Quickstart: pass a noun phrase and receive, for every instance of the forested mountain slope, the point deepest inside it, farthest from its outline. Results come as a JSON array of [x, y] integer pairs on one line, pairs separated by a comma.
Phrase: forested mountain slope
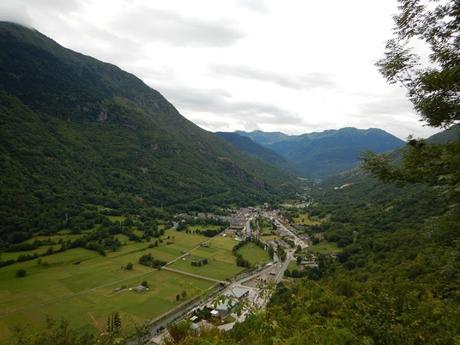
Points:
[[247, 145], [451, 134], [76, 131], [326, 153]]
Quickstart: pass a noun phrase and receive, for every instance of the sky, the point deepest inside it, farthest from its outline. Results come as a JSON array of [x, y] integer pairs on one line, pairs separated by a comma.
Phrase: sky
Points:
[[293, 66]]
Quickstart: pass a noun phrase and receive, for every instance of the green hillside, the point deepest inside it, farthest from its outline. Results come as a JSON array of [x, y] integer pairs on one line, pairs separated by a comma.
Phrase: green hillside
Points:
[[247, 145], [78, 134]]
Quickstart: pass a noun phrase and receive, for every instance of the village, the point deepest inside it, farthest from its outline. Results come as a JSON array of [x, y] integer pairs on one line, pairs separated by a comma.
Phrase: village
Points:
[[234, 299]]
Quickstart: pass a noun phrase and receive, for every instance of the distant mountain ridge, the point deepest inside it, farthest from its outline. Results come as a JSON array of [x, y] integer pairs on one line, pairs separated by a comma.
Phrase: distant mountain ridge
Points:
[[322, 154]]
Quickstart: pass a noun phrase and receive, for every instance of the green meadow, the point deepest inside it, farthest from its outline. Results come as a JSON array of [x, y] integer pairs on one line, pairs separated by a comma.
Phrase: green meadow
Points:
[[221, 261], [80, 285], [254, 254], [325, 247]]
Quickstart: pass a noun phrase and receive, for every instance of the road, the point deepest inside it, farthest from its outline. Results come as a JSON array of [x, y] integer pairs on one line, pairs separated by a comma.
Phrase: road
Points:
[[248, 230], [298, 241]]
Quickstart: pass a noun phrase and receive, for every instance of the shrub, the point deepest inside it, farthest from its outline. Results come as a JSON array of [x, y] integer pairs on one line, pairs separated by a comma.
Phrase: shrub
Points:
[[21, 273]]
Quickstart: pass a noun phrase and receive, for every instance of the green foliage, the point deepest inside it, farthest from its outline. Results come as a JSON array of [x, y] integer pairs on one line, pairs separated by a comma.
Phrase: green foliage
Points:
[[257, 255], [433, 88], [433, 164], [149, 260], [21, 273], [247, 145], [57, 332]]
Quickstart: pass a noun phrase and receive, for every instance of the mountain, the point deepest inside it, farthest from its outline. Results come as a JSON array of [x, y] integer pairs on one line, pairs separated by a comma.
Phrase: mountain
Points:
[[322, 154], [78, 135], [450, 134], [247, 145], [264, 138]]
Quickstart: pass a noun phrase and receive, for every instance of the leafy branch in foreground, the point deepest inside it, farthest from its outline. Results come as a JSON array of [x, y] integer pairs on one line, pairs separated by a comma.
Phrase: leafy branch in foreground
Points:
[[432, 164], [433, 87]]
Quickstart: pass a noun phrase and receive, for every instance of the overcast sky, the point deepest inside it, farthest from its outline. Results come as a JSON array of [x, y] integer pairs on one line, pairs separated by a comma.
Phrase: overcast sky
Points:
[[294, 66]]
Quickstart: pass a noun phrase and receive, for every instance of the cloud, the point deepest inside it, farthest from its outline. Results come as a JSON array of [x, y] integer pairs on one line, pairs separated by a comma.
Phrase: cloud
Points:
[[176, 29], [386, 105], [220, 105], [298, 82], [21, 11], [254, 5]]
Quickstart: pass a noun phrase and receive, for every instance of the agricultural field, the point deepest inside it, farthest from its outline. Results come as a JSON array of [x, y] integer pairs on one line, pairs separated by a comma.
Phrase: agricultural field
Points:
[[254, 254], [14, 255], [198, 228], [81, 285], [221, 261]]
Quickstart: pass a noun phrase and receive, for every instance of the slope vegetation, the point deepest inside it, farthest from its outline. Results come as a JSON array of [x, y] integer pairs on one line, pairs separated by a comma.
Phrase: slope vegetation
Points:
[[76, 131], [247, 145]]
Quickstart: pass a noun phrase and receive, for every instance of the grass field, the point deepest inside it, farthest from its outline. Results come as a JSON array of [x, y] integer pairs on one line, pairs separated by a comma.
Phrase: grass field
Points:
[[254, 254], [221, 262], [325, 247], [265, 227], [79, 284], [14, 255], [199, 228], [293, 266], [116, 218], [54, 238]]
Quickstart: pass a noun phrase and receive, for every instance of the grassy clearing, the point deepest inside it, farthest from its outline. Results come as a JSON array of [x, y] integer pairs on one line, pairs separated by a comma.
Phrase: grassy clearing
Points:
[[55, 238], [199, 228], [116, 218], [293, 266], [254, 254], [325, 247], [270, 237], [221, 261], [265, 227], [79, 284], [14, 255]]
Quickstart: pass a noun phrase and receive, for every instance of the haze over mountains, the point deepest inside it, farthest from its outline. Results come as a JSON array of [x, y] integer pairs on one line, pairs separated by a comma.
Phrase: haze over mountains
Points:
[[321, 154]]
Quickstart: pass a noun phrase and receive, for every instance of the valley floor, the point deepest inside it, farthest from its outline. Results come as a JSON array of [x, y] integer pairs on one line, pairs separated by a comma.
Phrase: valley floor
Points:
[[84, 287]]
